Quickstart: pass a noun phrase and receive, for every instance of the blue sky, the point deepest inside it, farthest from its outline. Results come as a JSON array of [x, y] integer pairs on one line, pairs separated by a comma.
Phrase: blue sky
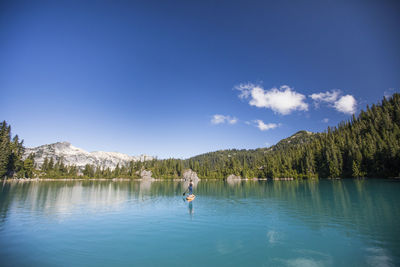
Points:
[[180, 78]]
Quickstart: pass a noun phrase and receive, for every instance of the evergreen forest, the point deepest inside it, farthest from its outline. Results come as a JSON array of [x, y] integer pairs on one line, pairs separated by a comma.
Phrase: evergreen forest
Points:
[[367, 145]]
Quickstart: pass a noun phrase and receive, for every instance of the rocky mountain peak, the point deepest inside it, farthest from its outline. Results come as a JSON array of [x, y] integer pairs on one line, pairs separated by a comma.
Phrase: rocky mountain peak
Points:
[[71, 155]]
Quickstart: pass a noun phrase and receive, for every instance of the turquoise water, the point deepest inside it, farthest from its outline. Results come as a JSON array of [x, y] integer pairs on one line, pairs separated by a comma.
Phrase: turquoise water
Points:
[[259, 223]]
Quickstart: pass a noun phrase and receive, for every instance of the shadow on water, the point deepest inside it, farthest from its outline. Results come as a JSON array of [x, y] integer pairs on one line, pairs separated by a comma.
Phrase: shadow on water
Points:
[[190, 208]]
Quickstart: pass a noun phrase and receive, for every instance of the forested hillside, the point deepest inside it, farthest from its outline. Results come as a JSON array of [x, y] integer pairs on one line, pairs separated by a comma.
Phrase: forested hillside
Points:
[[365, 146]]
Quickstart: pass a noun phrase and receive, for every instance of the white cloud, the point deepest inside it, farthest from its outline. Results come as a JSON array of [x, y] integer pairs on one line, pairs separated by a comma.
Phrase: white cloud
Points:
[[388, 94], [378, 257], [232, 120], [305, 262], [218, 119], [265, 126], [272, 236], [346, 104], [283, 100], [326, 120], [245, 89], [329, 97]]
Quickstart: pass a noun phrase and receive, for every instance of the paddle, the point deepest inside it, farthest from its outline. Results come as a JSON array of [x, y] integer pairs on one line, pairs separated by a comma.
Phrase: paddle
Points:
[[185, 192]]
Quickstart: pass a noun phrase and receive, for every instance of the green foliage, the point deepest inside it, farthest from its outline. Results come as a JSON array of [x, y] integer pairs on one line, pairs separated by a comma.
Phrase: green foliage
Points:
[[28, 166], [5, 148], [11, 152]]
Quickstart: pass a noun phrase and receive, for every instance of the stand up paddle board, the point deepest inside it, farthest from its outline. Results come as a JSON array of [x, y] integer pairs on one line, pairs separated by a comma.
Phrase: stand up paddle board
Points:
[[190, 197]]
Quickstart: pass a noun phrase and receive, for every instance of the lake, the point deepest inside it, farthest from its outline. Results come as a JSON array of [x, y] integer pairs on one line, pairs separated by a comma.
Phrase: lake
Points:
[[258, 223]]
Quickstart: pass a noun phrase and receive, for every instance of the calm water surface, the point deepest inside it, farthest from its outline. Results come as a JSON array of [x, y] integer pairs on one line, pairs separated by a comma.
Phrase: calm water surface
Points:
[[259, 223]]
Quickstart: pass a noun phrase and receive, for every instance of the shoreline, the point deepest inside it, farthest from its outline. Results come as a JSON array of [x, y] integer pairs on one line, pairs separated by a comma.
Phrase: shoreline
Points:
[[179, 179], [141, 179]]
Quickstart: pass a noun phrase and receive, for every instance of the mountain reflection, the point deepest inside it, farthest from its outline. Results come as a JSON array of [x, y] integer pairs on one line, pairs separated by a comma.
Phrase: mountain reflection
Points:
[[63, 197]]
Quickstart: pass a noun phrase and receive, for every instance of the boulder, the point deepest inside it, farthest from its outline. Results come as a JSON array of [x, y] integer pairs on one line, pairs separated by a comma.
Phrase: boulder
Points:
[[190, 175], [233, 179], [146, 175]]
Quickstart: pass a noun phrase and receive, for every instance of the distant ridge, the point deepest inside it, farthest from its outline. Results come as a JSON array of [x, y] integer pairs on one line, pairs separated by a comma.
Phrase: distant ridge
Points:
[[297, 139], [72, 155]]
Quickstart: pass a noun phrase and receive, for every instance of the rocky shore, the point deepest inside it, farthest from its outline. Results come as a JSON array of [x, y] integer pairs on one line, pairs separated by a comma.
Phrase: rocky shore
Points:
[[146, 175]]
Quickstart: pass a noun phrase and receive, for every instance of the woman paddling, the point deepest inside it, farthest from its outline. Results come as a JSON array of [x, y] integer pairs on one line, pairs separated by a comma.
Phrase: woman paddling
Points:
[[190, 187]]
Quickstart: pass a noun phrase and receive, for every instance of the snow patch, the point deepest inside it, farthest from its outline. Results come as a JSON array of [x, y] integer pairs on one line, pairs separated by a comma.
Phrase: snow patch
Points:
[[72, 155]]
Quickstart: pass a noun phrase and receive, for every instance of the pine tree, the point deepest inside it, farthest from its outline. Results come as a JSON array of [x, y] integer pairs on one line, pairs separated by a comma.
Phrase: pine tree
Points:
[[28, 167], [5, 149]]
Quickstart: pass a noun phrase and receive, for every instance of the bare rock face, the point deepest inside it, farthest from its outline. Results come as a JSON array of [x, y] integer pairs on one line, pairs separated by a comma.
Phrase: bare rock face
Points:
[[75, 156], [190, 175], [146, 175]]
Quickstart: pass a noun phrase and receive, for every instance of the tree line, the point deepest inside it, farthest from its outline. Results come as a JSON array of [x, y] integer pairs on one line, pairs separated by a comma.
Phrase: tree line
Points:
[[11, 151], [364, 146]]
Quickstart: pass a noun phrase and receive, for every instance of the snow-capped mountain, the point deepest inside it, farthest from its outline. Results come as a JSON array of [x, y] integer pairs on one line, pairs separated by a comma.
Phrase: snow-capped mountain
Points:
[[76, 156]]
